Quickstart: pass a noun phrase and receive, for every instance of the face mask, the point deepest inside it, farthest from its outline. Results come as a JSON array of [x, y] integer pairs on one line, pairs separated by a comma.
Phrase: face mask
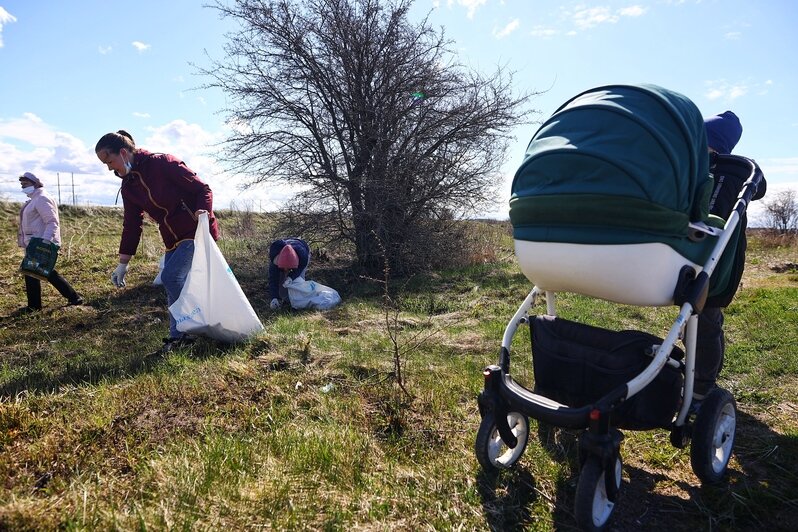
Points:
[[29, 190]]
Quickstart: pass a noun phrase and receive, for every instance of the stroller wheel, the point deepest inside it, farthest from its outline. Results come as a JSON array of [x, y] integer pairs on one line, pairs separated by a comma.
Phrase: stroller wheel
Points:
[[492, 453], [595, 500], [713, 436]]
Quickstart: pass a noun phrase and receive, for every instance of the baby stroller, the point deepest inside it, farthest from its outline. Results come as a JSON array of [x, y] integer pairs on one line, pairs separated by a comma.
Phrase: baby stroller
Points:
[[612, 202]]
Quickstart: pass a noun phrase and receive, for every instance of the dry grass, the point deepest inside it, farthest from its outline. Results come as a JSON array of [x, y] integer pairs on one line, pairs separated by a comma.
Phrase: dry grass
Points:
[[303, 427]]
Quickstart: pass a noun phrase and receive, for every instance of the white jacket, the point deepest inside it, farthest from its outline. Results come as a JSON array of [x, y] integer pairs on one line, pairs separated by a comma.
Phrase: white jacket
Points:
[[39, 218]]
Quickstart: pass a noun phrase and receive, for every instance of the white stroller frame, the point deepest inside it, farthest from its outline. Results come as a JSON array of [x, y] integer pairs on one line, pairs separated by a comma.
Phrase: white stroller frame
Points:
[[505, 405]]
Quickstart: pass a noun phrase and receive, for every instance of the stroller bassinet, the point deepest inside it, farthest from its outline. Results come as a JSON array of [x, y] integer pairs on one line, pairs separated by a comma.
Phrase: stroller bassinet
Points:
[[616, 179], [612, 201]]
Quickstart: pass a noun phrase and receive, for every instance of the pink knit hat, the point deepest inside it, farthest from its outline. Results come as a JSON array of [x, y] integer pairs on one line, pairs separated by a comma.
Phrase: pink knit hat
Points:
[[287, 259]]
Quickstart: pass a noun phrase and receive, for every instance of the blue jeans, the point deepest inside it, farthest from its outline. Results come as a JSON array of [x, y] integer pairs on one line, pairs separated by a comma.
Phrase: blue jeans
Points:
[[177, 264]]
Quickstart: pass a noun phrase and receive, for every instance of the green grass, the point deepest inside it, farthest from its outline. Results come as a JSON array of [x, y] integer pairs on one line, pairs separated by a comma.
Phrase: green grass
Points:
[[303, 427]]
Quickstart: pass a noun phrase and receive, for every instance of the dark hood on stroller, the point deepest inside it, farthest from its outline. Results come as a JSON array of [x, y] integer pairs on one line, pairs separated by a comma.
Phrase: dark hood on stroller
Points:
[[615, 164]]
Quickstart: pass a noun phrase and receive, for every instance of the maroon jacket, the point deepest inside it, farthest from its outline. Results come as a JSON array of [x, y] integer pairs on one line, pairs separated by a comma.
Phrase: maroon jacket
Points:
[[162, 186]]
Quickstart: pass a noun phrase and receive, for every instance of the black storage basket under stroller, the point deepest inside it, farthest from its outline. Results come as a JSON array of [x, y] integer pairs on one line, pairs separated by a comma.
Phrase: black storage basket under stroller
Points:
[[577, 364]]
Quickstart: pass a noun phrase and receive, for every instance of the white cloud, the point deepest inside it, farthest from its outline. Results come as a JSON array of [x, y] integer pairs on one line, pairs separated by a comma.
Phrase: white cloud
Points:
[[586, 18], [737, 91], [507, 30], [781, 174], [33, 143], [196, 147], [104, 50], [632, 11], [29, 144], [780, 166], [757, 216], [470, 5], [141, 115], [733, 35], [714, 94], [140, 46], [5, 18], [725, 91], [542, 31]]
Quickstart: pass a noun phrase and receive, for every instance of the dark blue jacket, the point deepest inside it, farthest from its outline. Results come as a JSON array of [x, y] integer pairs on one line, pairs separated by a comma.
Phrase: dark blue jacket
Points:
[[276, 277]]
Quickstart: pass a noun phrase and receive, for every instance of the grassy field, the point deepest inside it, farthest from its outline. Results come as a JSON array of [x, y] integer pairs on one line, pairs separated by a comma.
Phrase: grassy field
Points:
[[305, 428]]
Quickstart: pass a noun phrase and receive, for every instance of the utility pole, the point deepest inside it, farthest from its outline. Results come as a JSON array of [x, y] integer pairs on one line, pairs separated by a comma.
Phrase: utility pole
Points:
[[74, 204], [58, 176]]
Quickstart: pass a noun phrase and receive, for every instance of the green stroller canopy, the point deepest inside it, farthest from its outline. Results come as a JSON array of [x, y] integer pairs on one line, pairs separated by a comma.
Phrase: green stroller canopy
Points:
[[618, 164]]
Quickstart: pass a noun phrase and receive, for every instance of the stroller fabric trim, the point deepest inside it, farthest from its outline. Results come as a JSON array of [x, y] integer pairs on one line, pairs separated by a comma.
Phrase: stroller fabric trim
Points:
[[639, 143], [596, 210]]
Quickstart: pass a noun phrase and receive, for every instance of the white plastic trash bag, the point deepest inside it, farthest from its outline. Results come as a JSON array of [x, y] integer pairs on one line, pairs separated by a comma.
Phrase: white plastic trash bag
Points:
[[310, 294], [212, 302]]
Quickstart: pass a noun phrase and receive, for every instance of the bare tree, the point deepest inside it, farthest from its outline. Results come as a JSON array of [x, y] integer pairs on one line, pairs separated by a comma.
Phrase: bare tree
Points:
[[781, 211], [385, 135]]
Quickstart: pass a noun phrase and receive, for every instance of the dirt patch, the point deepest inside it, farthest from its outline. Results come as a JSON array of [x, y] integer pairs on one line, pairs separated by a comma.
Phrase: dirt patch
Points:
[[785, 267]]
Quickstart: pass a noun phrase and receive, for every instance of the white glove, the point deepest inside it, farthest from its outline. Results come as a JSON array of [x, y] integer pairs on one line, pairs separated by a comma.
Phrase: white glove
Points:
[[275, 304], [118, 277]]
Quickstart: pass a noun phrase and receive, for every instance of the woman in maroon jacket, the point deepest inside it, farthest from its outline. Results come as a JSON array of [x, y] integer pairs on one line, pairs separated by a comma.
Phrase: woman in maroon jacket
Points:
[[164, 188]]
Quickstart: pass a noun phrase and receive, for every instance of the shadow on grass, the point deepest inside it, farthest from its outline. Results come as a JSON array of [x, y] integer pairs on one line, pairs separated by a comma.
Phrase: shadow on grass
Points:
[[758, 493], [506, 498], [109, 338], [115, 335], [767, 484]]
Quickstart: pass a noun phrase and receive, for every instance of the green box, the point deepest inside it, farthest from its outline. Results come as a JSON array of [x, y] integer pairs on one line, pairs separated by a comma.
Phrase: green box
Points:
[[40, 257]]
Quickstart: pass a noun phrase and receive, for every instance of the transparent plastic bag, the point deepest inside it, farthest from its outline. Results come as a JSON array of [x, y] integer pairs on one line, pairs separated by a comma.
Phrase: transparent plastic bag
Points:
[[310, 294]]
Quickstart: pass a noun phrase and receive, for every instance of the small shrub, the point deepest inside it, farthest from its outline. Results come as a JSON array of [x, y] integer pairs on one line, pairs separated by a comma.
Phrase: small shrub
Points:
[[772, 239]]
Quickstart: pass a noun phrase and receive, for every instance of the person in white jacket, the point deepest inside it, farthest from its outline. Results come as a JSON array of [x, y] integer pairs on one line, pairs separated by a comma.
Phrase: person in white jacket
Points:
[[39, 218]]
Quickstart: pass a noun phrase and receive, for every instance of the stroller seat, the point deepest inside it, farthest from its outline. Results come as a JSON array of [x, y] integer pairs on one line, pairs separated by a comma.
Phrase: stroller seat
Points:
[[633, 274]]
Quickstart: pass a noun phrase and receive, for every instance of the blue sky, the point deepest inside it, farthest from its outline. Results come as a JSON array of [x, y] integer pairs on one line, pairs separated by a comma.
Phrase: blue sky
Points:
[[72, 71]]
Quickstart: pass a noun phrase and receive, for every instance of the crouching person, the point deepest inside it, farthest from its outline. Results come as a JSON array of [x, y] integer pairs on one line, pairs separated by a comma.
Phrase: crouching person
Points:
[[288, 257]]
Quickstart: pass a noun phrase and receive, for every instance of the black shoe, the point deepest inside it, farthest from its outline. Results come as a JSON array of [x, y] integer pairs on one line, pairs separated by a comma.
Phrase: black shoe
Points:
[[171, 344], [75, 302], [698, 398], [701, 390], [695, 406]]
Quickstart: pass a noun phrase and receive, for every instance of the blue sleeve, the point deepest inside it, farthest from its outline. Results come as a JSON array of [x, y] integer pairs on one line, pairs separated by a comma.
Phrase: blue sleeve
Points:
[[274, 271], [303, 252]]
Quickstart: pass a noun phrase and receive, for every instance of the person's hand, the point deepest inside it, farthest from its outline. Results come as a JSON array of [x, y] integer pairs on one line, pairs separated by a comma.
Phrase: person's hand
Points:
[[118, 277], [275, 304]]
